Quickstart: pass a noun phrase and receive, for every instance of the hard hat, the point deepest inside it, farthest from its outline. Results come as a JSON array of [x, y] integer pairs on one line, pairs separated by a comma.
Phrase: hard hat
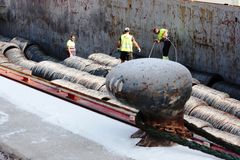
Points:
[[127, 29], [155, 29]]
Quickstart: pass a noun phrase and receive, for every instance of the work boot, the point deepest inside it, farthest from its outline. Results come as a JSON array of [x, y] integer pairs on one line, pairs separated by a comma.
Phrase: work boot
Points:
[[165, 58]]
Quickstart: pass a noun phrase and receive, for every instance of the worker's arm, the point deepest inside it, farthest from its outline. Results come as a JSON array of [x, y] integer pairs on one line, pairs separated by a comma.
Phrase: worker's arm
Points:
[[165, 34], [69, 48], [69, 52], [119, 43], [136, 44]]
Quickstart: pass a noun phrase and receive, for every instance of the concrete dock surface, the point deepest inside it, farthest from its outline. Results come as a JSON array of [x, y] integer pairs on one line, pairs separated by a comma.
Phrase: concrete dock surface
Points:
[[25, 136]]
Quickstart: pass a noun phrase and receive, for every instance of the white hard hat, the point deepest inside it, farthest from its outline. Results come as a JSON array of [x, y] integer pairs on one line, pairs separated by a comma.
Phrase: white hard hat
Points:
[[127, 29]]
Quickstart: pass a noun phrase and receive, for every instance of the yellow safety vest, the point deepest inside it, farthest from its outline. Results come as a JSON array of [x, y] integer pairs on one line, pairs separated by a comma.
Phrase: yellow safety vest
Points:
[[126, 43], [160, 34]]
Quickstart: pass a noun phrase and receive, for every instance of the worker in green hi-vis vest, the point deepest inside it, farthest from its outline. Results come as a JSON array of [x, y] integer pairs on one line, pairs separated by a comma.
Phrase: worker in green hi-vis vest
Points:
[[125, 45], [162, 36]]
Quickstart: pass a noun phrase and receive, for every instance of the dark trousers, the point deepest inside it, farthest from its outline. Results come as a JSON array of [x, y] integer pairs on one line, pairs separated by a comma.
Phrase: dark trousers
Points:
[[126, 56], [68, 55], [166, 47]]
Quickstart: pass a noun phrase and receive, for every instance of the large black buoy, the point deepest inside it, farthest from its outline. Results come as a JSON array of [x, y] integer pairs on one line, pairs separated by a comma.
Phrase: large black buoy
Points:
[[157, 88]]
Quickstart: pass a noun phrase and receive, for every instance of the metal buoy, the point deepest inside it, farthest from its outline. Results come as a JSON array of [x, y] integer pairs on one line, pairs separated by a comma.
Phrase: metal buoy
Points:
[[154, 86], [157, 88]]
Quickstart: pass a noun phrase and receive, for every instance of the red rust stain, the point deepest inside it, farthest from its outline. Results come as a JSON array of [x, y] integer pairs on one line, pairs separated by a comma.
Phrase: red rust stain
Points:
[[202, 15], [210, 15], [61, 2], [182, 13], [130, 3], [228, 22], [202, 12]]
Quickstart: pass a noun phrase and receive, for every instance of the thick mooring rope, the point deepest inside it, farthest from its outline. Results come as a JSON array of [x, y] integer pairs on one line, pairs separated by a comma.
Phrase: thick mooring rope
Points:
[[182, 141], [15, 56], [205, 78], [51, 71], [3, 59], [86, 65], [205, 129], [82, 89], [219, 119], [104, 59], [217, 99], [35, 53], [32, 51], [232, 89]]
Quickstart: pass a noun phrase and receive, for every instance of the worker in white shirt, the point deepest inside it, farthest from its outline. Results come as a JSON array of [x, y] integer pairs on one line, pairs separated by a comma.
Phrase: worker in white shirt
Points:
[[71, 49]]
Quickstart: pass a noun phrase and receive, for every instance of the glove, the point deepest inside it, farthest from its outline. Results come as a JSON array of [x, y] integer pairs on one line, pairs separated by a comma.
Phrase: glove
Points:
[[139, 49]]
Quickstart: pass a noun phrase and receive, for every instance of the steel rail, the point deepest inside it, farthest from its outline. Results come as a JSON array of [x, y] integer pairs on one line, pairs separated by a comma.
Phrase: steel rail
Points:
[[121, 113]]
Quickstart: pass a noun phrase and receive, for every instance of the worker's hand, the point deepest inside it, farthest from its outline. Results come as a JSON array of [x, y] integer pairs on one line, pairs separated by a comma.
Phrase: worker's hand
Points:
[[156, 41], [165, 34], [139, 49]]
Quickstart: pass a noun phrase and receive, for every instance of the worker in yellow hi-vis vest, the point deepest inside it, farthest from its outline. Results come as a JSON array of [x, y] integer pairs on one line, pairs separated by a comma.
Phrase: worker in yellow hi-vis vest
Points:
[[162, 36], [125, 45], [71, 49]]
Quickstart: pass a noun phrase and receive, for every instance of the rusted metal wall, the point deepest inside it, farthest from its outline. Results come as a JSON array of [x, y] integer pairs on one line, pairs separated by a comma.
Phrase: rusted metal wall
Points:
[[207, 36]]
